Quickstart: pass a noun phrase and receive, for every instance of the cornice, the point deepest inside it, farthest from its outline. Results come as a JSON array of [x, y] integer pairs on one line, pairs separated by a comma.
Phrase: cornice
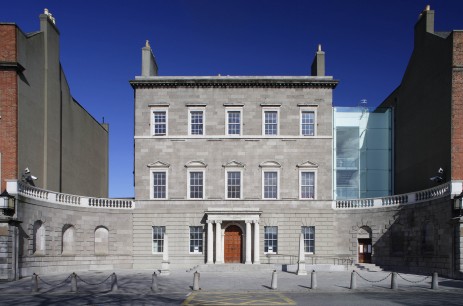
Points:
[[11, 66], [234, 82]]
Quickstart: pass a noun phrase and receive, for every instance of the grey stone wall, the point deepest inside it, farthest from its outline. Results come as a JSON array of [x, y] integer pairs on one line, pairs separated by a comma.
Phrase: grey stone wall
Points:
[[56, 218]]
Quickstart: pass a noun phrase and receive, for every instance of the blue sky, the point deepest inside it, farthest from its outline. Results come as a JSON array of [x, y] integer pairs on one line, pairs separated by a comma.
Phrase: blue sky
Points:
[[367, 44]]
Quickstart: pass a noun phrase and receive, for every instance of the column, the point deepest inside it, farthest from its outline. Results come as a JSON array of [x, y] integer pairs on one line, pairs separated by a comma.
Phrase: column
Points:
[[210, 242], [218, 242], [248, 242], [256, 243]]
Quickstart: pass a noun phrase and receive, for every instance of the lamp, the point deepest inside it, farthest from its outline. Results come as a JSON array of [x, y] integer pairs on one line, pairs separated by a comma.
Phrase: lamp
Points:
[[7, 203], [458, 202]]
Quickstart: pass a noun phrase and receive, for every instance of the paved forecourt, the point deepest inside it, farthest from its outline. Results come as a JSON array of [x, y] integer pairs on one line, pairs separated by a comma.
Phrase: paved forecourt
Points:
[[231, 288]]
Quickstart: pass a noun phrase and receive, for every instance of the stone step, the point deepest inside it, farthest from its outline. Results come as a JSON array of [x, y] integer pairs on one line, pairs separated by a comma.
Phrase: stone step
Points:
[[233, 267], [368, 267]]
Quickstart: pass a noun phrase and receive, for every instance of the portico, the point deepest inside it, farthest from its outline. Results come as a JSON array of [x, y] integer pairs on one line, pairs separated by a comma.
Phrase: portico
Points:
[[233, 235]]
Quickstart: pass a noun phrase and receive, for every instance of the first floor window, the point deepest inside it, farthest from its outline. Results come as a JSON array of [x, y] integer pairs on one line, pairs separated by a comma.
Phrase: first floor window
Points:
[[158, 239], [308, 123], [159, 185], [196, 123], [270, 185], [196, 184], [233, 185], [196, 239], [307, 185], [160, 123], [309, 238], [270, 239]]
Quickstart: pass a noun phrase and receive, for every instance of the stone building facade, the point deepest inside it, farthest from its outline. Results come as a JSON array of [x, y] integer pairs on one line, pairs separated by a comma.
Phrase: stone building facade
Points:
[[231, 170]]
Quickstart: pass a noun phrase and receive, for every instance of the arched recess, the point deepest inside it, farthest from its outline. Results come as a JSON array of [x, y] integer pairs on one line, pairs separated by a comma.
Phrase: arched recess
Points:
[[68, 240], [101, 240], [397, 240], [38, 245], [364, 244], [427, 244]]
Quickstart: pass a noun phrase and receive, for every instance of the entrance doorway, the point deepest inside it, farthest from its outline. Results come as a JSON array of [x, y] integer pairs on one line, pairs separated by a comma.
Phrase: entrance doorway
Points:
[[364, 250], [233, 244]]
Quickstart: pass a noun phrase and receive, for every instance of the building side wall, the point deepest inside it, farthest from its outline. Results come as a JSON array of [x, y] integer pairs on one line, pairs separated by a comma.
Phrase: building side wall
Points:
[[85, 145], [61, 143], [422, 108], [8, 106], [457, 106]]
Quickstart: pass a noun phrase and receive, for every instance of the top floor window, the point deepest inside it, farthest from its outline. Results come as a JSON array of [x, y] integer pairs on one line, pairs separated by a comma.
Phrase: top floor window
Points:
[[233, 122], [159, 122], [270, 122], [307, 123], [196, 122]]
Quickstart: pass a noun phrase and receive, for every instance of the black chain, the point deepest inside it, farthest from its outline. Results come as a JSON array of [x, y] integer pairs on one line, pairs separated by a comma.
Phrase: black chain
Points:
[[371, 280], [413, 282], [54, 285], [93, 284]]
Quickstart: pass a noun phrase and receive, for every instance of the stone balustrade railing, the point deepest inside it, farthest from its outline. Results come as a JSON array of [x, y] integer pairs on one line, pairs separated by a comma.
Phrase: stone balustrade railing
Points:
[[29, 191], [440, 191]]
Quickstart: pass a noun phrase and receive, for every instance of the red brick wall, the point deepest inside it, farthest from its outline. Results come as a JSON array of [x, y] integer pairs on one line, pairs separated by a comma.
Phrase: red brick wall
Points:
[[8, 105], [457, 106]]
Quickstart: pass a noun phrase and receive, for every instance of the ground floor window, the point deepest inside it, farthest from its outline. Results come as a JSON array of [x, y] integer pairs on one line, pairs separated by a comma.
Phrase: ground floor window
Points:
[[158, 239], [309, 238], [270, 239], [196, 239]]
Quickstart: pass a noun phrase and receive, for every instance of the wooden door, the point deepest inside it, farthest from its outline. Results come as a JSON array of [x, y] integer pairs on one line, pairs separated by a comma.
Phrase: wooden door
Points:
[[233, 245], [364, 250]]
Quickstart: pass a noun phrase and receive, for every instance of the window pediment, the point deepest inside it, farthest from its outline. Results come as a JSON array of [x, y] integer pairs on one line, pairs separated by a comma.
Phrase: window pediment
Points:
[[195, 164], [233, 163], [270, 164], [307, 164], [158, 164]]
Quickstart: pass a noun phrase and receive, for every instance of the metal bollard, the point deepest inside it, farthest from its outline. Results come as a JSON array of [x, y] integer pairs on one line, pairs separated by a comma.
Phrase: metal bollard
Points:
[[394, 284], [274, 280], [114, 286], [196, 276], [73, 282], [35, 283], [435, 281], [313, 280], [353, 280], [154, 282]]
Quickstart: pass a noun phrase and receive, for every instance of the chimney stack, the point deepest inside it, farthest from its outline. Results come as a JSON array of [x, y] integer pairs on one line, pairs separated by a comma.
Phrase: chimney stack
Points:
[[318, 64], [149, 67], [425, 23]]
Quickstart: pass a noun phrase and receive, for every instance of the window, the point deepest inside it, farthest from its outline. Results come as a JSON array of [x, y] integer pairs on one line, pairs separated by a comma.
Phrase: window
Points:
[[233, 184], [233, 124], [196, 239], [159, 122], [158, 239], [270, 239], [309, 239], [196, 184], [270, 184], [307, 187], [196, 120], [308, 120], [159, 184], [270, 122]]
